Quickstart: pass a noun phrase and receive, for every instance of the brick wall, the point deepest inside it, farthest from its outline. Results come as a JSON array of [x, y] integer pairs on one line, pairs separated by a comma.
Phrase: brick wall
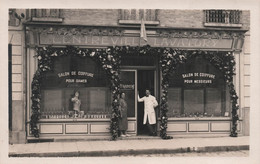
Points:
[[91, 16], [181, 18], [167, 18]]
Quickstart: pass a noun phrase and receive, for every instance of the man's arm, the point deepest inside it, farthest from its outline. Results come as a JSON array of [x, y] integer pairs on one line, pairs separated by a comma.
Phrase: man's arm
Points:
[[155, 103], [140, 99]]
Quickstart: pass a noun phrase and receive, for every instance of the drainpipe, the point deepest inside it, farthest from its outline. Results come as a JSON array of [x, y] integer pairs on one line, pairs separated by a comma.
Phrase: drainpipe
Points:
[[10, 84]]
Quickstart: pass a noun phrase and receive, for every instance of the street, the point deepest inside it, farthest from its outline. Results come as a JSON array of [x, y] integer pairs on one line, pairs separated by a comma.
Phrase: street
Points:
[[241, 153]]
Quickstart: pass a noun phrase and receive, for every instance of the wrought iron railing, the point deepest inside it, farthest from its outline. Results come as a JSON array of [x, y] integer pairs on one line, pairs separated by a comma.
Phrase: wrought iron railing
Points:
[[223, 16], [138, 14]]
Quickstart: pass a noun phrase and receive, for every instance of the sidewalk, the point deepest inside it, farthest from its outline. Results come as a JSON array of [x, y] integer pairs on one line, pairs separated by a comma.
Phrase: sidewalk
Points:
[[128, 147]]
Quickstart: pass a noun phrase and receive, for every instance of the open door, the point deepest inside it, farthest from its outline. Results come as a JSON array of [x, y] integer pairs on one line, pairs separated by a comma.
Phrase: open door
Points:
[[145, 80]]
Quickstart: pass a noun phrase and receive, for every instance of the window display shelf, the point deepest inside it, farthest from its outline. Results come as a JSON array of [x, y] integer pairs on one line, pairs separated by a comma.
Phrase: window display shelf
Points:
[[200, 118], [74, 120]]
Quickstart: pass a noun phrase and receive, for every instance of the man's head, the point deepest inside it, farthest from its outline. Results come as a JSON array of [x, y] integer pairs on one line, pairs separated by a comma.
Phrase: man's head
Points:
[[147, 92], [122, 95]]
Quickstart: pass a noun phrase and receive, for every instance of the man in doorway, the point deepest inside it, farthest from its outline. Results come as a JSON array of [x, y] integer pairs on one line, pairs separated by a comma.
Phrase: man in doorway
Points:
[[149, 104]]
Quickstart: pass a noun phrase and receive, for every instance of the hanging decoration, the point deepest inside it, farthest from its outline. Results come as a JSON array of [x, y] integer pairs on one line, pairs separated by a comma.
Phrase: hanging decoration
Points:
[[110, 58], [110, 63], [223, 61]]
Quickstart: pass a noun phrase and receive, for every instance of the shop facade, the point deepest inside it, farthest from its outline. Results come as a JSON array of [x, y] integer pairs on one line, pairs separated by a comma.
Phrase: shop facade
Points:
[[194, 72]]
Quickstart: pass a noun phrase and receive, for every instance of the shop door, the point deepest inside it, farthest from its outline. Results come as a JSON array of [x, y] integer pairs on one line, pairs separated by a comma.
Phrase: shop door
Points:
[[145, 80]]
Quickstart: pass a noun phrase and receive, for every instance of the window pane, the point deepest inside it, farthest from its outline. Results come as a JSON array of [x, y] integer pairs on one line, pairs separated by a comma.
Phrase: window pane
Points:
[[213, 104], [127, 86], [174, 102], [202, 90], [227, 102], [193, 101], [52, 100], [98, 100], [130, 100], [70, 74]]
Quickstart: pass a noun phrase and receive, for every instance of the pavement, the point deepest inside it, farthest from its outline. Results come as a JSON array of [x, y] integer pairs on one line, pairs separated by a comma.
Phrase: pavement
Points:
[[128, 146]]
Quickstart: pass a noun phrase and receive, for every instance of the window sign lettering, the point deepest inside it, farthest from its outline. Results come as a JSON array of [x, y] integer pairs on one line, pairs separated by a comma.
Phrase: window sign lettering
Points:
[[70, 75], [127, 86], [198, 78], [75, 74], [79, 73]]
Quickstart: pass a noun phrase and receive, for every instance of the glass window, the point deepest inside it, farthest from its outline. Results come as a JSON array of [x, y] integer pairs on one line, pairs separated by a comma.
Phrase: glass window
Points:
[[193, 101], [198, 89], [127, 86], [75, 74], [137, 60], [138, 14], [174, 101], [223, 16]]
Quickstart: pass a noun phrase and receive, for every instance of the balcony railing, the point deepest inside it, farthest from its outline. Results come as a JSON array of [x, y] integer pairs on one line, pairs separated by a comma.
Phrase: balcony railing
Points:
[[134, 16], [223, 17]]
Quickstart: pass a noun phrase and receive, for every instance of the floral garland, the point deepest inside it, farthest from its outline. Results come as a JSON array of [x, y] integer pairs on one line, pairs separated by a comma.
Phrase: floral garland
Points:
[[169, 60], [225, 62], [110, 59], [110, 63]]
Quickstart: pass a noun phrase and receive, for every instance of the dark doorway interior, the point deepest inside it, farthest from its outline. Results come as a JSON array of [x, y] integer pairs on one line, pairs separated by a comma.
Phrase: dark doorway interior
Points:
[[145, 80]]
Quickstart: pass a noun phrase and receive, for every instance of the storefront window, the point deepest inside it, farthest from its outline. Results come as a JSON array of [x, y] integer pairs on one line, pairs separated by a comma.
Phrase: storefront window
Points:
[[198, 89], [75, 74]]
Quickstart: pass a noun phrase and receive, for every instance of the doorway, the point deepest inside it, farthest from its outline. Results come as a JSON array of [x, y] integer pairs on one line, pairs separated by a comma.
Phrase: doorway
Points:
[[145, 80]]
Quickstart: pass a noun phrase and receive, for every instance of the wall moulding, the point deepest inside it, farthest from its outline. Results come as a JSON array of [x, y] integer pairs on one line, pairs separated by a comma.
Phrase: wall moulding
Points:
[[120, 36], [119, 31]]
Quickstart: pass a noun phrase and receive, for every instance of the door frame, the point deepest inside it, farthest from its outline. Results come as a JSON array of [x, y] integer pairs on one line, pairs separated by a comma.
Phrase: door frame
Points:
[[156, 87], [133, 118]]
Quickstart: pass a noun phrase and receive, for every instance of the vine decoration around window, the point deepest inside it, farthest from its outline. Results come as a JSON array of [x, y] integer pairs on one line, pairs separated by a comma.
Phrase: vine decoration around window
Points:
[[110, 58], [45, 55], [223, 61]]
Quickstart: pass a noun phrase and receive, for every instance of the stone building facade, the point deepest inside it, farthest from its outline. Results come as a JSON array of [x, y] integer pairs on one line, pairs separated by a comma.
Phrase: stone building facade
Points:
[[216, 31]]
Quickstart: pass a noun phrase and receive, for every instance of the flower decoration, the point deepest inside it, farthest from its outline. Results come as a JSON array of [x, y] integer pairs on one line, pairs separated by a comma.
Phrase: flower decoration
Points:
[[110, 59]]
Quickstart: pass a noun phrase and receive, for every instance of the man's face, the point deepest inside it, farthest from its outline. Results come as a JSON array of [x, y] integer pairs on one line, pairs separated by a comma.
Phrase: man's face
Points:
[[147, 92], [123, 96]]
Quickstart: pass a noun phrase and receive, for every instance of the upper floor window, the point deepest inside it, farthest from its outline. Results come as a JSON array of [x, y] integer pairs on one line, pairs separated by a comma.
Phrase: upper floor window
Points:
[[229, 18], [138, 14], [55, 13], [133, 16], [46, 15]]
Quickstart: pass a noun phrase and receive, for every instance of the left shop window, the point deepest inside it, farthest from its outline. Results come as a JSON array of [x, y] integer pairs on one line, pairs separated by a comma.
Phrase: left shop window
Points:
[[73, 74]]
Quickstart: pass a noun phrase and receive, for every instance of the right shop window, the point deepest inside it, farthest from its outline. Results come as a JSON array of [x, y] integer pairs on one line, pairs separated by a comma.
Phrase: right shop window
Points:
[[198, 89]]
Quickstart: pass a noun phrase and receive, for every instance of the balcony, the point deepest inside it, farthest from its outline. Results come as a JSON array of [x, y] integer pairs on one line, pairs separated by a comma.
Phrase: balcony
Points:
[[222, 18], [46, 15]]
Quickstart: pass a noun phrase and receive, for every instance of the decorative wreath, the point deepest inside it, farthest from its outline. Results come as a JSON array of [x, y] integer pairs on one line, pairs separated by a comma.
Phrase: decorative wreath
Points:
[[110, 60]]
